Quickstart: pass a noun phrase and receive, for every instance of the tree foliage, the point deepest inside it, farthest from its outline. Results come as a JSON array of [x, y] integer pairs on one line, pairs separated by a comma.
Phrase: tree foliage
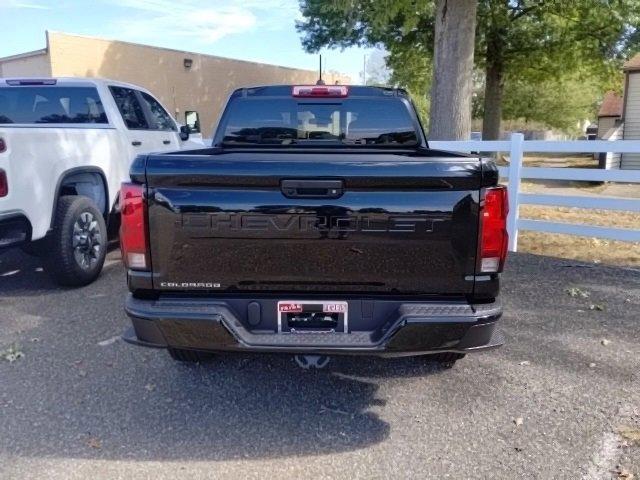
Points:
[[561, 102], [524, 48]]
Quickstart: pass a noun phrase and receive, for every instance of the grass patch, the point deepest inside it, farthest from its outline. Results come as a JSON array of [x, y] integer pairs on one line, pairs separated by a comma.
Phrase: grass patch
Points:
[[585, 249]]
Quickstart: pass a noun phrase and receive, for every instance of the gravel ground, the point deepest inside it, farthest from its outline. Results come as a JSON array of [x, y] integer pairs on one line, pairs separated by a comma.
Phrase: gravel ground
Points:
[[560, 400]]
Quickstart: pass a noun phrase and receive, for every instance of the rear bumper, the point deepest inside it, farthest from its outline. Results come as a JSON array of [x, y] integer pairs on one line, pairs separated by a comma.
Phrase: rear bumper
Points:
[[15, 229], [408, 328]]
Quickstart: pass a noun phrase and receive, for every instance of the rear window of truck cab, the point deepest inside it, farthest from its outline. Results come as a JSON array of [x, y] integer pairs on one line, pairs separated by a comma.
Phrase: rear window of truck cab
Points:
[[50, 104], [298, 121]]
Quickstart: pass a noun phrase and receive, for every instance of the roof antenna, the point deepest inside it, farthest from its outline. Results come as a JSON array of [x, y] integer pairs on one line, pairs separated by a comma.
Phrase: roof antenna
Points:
[[320, 80]]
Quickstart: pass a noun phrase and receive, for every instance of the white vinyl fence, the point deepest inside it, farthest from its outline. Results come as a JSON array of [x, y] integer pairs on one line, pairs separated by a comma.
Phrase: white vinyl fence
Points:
[[517, 146]]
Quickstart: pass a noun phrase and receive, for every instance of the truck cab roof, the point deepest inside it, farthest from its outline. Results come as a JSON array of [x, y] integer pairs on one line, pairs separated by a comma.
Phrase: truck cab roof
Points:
[[66, 82], [353, 91]]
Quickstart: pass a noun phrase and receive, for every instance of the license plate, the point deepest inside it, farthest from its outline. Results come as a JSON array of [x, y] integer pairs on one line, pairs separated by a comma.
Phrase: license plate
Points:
[[312, 316]]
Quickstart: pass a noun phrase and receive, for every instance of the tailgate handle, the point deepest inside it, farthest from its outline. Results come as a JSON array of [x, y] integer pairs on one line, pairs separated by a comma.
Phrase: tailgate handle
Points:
[[312, 188]]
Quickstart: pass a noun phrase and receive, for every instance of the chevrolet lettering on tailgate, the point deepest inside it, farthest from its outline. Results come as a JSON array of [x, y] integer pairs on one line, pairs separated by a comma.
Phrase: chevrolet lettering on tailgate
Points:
[[222, 223]]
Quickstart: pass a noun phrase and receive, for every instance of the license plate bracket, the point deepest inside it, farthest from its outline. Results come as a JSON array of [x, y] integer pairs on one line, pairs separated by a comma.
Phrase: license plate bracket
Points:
[[313, 316]]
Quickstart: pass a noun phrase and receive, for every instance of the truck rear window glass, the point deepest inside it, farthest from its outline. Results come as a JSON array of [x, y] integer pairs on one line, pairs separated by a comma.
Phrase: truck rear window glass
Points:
[[28, 104], [291, 121]]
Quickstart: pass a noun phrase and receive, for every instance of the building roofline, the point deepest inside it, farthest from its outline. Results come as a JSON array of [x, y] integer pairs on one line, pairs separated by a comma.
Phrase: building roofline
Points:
[[612, 105], [18, 56], [632, 64], [185, 52]]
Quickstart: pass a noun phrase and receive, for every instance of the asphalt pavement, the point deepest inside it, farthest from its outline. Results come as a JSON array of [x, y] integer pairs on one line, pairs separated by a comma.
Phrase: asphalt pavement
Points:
[[560, 400]]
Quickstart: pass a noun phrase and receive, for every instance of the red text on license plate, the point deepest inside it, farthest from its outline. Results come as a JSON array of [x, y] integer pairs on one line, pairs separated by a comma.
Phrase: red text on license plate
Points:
[[290, 307]]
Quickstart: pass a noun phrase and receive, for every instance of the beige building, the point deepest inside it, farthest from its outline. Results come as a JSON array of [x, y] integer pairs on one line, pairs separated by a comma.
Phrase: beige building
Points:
[[182, 81]]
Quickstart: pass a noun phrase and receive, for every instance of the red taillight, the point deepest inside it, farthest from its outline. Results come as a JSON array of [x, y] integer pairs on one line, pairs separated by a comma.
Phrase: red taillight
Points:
[[494, 238], [4, 184], [3, 145], [330, 91], [133, 229]]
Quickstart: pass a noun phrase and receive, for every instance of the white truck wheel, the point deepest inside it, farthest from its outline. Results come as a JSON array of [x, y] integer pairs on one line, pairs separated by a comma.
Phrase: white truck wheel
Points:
[[78, 243]]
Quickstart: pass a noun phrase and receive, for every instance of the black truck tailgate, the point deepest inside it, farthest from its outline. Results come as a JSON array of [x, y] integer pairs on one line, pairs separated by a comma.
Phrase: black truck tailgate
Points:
[[383, 223]]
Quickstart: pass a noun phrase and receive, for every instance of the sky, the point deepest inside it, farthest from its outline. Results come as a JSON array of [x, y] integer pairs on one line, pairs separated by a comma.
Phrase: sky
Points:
[[256, 30]]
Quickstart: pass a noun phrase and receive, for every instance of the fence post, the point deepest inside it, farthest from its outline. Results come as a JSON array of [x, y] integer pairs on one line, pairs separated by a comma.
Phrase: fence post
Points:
[[515, 164]]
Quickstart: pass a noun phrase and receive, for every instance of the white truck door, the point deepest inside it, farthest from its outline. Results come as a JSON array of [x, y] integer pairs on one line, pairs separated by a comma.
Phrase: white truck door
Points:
[[145, 133], [163, 126]]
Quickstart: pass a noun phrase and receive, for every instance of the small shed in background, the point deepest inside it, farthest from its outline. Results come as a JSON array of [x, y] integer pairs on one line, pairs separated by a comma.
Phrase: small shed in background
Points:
[[610, 127], [610, 114]]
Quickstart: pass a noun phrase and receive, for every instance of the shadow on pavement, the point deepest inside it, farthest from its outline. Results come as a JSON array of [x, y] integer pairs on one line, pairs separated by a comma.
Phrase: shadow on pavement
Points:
[[145, 407], [72, 397], [26, 275]]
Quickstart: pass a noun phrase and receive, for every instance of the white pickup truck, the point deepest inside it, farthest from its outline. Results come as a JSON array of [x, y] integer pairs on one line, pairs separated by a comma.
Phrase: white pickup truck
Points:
[[66, 144]]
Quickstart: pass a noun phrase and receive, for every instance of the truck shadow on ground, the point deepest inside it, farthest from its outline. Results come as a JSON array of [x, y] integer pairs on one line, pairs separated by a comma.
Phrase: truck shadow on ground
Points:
[[150, 408], [26, 275], [71, 397]]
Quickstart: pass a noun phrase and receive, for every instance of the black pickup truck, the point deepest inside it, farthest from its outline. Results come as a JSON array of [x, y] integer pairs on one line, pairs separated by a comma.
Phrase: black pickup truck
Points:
[[318, 223]]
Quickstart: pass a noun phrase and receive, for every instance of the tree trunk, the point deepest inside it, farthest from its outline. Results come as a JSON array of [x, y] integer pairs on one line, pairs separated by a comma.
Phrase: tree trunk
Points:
[[451, 90], [494, 88]]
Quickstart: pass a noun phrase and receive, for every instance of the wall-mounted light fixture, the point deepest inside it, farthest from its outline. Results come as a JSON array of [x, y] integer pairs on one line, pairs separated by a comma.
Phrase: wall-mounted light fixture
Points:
[[187, 63]]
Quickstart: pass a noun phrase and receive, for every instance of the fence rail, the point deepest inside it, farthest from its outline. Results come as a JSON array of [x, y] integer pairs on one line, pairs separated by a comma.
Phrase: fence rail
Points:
[[515, 172]]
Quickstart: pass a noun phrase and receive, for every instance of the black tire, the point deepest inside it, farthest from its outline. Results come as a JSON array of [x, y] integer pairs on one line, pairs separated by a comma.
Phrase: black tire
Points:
[[189, 356], [78, 243], [37, 248], [113, 227], [446, 359]]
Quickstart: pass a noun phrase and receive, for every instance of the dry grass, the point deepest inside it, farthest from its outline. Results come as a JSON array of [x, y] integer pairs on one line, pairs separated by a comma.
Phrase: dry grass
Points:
[[570, 246], [580, 248], [581, 188], [604, 218], [567, 161], [572, 161]]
